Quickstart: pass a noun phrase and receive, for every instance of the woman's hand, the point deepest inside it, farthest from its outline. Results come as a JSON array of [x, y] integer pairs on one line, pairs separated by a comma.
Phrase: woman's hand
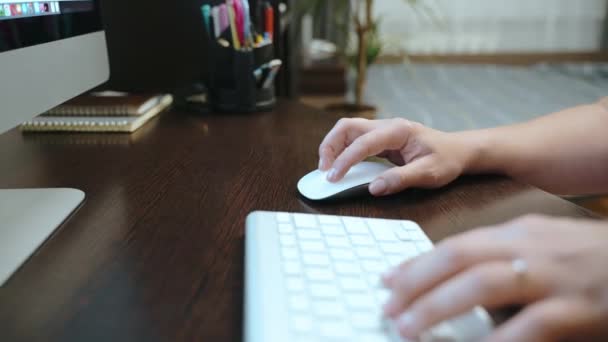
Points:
[[556, 268], [425, 157]]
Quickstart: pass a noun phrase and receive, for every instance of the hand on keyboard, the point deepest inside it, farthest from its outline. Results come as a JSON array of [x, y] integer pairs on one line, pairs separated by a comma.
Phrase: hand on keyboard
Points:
[[555, 266], [317, 278], [426, 157]]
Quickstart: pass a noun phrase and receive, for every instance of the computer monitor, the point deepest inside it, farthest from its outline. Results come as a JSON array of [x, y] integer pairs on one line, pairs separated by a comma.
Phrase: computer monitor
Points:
[[50, 51]]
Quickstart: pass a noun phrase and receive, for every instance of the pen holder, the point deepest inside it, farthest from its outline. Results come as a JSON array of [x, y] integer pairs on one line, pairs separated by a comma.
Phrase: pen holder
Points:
[[233, 86]]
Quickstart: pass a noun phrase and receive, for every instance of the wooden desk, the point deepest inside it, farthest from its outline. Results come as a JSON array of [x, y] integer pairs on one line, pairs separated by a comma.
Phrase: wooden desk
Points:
[[156, 252]]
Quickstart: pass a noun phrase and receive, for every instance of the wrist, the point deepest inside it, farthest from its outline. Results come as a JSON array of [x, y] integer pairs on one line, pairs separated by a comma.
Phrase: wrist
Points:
[[478, 150]]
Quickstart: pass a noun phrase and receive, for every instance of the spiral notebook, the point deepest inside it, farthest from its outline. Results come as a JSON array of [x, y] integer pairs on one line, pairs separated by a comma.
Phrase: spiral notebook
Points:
[[107, 103], [118, 124]]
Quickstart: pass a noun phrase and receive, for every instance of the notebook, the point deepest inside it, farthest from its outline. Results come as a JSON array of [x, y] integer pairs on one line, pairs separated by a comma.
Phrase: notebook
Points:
[[119, 124], [107, 103]]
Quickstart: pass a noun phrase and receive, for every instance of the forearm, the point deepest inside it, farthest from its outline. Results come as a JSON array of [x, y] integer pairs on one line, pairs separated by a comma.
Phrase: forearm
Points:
[[565, 152]]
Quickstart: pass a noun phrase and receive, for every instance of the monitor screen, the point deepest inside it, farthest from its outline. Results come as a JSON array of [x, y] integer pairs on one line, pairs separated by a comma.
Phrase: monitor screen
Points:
[[27, 23]]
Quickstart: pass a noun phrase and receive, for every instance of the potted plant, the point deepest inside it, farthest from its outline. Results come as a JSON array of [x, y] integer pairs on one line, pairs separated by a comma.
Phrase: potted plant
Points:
[[367, 44]]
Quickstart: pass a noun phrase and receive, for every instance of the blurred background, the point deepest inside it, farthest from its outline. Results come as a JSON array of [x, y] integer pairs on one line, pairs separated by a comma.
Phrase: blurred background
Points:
[[450, 64]]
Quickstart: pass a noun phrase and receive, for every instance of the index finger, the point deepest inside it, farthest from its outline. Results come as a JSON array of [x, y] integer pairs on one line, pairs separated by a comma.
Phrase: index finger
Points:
[[344, 132]]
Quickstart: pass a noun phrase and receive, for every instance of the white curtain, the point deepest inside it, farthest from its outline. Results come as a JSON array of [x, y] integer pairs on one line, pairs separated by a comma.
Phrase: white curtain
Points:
[[492, 26]]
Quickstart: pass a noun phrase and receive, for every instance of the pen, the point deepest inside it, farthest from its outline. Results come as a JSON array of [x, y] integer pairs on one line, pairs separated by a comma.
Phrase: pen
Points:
[[233, 28], [269, 21], [224, 20], [247, 21], [239, 18], [215, 14]]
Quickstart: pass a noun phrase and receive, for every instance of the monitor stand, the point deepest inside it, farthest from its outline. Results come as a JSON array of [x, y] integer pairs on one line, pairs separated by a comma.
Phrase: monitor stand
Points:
[[27, 218]]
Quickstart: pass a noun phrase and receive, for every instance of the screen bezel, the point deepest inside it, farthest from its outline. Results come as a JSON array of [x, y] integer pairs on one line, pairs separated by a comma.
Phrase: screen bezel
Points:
[[29, 29]]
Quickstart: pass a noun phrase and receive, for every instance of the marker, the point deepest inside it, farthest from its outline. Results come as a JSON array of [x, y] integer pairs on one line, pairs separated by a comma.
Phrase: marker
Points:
[[239, 19], [206, 9], [224, 19], [231, 15], [215, 14], [269, 21], [247, 21]]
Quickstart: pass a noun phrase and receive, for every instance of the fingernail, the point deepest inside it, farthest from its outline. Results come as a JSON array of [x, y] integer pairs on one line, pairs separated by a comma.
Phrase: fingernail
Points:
[[388, 275], [378, 187], [387, 308], [406, 323], [331, 176]]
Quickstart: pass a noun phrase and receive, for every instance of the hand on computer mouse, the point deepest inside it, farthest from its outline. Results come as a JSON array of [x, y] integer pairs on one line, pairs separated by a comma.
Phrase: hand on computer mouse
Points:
[[425, 157], [555, 267]]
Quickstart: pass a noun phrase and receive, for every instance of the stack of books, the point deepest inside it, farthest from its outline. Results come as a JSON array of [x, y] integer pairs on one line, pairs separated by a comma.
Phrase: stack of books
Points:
[[101, 112]]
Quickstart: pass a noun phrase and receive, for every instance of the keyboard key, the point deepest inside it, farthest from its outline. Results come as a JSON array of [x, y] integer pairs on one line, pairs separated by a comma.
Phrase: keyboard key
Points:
[[333, 230], [410, 225], [344, 268], [368, 252], [334, 329], [312, 246], [328, 219], [292, 268], [394, 260], [392, 247], [327, 308], [409, 249], [295, 284], [376, 337], [283, 217], [315, 259], [424, 246], [305, 338], [366, 321], [299, 303], [382, 230], [403, 235], [355, 225], [305, 221], [290, 253], [353, 284], [309, 234], [342, 254], [337, 241], [418, 235], [319, 274], [382, 295], [374, 281], [323, 290], [362, 240], [359, 301], [374, 266], [302, 324], [286, 228], [287, 240]]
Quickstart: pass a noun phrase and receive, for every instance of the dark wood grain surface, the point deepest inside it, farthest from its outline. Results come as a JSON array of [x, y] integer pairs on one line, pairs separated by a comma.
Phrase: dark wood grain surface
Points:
[[156, 251]]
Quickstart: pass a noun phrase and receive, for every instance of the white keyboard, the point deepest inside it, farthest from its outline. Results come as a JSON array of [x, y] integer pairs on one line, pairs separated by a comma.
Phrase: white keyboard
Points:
[[317, 278]]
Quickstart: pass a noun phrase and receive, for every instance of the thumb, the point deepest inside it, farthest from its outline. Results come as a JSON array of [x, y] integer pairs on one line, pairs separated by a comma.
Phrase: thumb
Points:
[[418, 173]]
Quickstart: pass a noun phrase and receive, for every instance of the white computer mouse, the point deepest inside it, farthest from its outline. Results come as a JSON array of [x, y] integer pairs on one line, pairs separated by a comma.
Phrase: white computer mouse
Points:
[[315, 185]]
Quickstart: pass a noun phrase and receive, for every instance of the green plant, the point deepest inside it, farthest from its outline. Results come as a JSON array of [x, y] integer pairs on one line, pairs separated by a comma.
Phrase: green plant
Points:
[[357, 16]]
